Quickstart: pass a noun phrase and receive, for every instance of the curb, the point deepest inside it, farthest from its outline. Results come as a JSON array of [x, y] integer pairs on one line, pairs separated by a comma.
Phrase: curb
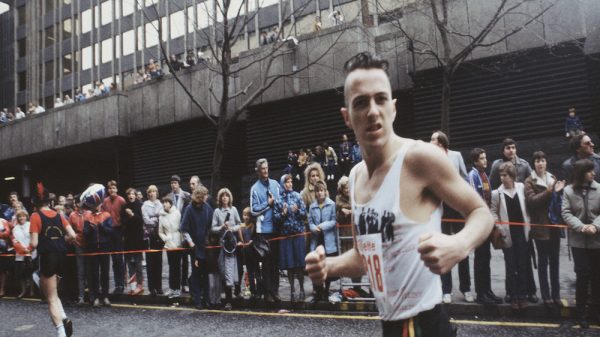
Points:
[[454, 309]]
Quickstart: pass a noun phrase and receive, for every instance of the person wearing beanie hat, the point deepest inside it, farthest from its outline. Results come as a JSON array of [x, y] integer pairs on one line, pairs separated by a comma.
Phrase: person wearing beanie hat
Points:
[[48, 231]]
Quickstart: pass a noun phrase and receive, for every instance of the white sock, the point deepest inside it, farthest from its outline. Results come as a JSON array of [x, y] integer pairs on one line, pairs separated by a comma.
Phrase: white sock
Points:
[[60, 330]]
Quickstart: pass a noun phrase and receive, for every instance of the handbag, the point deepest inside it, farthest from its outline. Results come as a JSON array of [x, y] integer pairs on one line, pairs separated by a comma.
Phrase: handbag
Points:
[[261, 246], [498, 239]]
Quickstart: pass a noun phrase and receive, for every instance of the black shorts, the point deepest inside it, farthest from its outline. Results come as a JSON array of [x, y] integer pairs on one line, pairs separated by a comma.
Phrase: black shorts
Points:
[[52, 264], [430, 323]]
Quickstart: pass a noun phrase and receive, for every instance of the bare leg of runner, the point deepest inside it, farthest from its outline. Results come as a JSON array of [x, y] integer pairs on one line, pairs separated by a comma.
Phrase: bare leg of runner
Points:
[[57, 313]]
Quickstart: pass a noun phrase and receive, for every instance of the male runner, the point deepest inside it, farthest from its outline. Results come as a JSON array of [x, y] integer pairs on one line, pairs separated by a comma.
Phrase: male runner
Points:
[[49, 230], [396, 195]]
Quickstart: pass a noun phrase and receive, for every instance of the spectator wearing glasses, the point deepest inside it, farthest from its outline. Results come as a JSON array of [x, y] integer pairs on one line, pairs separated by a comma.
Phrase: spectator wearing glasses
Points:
[[582, 148]]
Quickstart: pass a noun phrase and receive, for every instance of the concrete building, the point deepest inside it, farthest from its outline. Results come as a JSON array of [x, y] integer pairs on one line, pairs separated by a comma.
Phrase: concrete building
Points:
[[142, 134]]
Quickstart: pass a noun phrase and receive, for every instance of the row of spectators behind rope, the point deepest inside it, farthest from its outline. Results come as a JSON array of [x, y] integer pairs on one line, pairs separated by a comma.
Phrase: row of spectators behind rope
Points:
[[289, 216], [517, 194], [99, 89]]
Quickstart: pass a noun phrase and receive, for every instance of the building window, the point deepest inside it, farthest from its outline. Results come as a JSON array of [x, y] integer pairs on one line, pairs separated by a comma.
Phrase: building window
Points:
[[107, 50], [177, 24], [152, 34], [22, 15], [66, 2], [50, 38], [86, 58], [128, 42], [22, 85], [67, 64], [22, 46], [49, 102], [129, 7], [49, 71], [49, 5], [106, 9], [148, 3], [86, 21], [203, 13], [97, 54], [140, 38], [67, 28]]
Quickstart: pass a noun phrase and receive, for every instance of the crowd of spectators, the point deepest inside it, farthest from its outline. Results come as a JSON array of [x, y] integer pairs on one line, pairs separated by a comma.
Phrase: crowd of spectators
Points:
[[235, 254]]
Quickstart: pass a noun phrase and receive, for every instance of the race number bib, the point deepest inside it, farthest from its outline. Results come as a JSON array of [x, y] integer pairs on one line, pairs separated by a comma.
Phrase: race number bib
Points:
[[371, 252]]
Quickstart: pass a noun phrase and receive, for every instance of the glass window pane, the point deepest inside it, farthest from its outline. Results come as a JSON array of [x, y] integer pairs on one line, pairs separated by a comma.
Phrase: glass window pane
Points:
[[50, 38], [107, 50], [152, 34], [49, 71], [97, 54], [67, 64], [234, 7], [96, 17], [165, 29], [150, 2], [128, 42], [22, 46], [129, 7], [117, 9], [106, 9], [177, 24], [203, 15], [86, 21], [49, 5], [118, 46], [22, 81], [66, 2], [86, 58], [67, 28], [22, 14], [140, 40]]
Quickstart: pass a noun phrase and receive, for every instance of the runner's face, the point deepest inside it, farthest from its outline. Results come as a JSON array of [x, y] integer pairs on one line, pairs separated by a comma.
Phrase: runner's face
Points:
[[370, 109]]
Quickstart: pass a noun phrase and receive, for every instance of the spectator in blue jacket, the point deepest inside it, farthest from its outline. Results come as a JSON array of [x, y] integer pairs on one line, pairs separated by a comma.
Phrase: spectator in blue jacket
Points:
[[195, 226], [322, 223], [290, 212], [263, 196], [573, 126]]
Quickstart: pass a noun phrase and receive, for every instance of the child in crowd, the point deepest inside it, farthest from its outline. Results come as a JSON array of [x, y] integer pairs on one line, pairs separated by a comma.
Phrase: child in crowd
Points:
[[321, 220], [245, 254]]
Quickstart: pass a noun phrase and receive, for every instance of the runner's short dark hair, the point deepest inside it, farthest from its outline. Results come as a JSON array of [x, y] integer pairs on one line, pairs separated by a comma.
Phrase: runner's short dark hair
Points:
[[365, 60]]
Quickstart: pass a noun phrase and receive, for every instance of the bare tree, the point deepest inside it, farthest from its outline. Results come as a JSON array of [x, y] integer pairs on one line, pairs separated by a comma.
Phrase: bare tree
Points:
[[456, 44], [228, 25]]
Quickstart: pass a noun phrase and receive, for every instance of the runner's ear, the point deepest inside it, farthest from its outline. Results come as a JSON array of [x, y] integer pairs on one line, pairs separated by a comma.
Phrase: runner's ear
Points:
[[346, 117]]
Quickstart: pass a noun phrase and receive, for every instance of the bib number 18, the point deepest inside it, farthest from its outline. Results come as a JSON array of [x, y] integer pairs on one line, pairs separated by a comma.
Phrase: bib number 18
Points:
[[373, 265]]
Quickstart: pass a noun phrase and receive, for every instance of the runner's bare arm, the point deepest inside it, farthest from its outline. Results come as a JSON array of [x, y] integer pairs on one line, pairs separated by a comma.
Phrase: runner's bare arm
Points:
[[348, 264], [319, 267], [34, 240], [441, 252]]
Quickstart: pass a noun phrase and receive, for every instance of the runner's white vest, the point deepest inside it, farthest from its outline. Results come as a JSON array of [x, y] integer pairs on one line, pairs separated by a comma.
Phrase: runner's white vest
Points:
[[387, 242]]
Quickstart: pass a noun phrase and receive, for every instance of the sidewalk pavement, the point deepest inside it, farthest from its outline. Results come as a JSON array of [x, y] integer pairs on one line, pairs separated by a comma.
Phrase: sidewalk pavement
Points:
[[457, 307]]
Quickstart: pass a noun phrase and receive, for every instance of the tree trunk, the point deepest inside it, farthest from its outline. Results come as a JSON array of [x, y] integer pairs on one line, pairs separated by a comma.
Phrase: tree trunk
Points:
[[216, 178], [445, 106]]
